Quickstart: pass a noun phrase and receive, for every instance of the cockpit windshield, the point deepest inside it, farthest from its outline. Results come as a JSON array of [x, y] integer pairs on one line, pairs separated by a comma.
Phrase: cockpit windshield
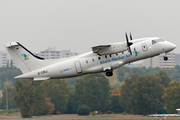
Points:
[[156, 41]]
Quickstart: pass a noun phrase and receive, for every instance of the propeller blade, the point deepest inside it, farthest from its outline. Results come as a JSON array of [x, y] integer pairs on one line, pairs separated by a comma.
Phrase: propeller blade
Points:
[[130, 51], [129, 43], [127, 39], [130, 36]]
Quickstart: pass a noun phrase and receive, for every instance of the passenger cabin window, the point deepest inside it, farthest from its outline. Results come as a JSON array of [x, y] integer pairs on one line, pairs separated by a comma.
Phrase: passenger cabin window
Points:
[[99, 58], [93, 60], [86, 61], [156, 41]]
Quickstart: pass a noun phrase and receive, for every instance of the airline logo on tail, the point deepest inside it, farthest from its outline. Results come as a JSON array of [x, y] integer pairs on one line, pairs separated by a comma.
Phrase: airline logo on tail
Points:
[[136, 53], [25, 56]]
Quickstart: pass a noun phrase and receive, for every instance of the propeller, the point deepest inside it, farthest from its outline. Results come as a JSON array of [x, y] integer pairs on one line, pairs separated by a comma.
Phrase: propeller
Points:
[[131, 36], [129, 43]]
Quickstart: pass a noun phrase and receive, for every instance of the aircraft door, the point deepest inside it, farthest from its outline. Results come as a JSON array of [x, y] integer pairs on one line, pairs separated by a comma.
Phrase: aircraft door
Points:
[[78, 67]]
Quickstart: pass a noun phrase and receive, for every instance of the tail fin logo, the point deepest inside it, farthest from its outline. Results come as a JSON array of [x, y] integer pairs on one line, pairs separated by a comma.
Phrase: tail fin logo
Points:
[[25, 56]]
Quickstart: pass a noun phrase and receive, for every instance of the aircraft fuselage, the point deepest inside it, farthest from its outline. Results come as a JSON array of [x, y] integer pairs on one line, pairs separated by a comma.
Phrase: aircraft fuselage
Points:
[[93, 63]]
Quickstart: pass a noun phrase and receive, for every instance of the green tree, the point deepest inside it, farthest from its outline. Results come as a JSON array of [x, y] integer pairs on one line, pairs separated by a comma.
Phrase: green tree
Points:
[[115, 105], [94, 91], [71, 81], [49, 108], [7, 75], [83, 110], [73, 103], [7, 64], [172, 96], [165, 80], [38, 97], [11, 63], [55, 89], [30, 97], [11, 94], [123, 72], [142, 94], [174, 73], [79, 88], [139, 71], [146, 95], [126, 90]]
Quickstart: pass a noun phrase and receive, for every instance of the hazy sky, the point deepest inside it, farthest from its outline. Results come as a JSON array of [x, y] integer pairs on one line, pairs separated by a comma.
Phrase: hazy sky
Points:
[[80, 24]]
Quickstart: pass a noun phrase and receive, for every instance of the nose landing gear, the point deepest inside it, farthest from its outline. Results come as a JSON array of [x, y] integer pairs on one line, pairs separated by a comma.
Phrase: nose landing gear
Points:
[[165, 58]]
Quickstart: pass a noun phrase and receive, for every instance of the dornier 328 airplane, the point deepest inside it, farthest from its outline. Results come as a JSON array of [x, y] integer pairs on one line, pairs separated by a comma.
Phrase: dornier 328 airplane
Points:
[[102, 58]]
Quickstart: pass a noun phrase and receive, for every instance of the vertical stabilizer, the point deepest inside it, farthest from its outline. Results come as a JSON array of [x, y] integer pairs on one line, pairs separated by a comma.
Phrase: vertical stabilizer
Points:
[[23, 58]]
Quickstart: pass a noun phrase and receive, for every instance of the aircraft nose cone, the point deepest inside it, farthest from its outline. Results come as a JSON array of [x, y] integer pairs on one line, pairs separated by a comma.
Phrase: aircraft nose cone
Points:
[[173, 46]]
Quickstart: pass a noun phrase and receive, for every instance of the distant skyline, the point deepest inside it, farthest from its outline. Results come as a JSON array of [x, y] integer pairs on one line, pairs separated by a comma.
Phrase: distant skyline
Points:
[[79, 25]]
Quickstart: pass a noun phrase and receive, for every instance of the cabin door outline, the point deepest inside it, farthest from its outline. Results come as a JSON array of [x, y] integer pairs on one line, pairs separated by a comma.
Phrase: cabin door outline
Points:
[[78, 67]]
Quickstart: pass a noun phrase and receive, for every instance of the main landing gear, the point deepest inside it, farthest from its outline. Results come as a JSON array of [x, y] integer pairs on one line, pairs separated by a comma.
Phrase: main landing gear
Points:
[[109, 73]]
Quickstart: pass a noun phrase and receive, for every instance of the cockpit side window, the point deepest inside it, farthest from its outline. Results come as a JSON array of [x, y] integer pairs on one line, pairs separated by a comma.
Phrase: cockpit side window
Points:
[[156, 41], [153, 41], [160, 40]]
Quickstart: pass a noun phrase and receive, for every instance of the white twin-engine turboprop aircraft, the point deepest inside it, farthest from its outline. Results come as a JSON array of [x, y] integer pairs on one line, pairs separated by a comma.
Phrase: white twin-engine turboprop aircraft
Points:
[[103, 58]]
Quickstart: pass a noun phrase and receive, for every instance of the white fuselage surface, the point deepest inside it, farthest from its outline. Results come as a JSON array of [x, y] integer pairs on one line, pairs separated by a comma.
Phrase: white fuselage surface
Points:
[[102, 59]]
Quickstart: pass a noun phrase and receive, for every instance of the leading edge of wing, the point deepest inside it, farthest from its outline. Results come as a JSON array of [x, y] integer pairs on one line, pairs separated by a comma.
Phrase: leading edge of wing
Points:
[[101, 46]]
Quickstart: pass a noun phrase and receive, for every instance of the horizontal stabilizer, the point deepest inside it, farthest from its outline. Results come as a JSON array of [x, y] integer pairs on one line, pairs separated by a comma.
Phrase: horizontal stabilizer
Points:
[[44, 78], [8, 45]]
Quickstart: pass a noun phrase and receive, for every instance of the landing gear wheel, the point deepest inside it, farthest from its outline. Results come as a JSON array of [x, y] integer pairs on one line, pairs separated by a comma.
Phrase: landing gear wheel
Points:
[[108, 73], [165, 58]]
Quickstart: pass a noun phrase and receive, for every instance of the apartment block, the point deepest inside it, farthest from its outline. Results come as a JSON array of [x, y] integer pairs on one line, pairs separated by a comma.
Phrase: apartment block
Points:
[[5, 59], [159, 61], [52, 53], [49, 53]]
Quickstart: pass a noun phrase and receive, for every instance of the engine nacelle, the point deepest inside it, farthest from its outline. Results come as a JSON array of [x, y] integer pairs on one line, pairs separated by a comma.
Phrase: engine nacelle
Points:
[[110, 49]]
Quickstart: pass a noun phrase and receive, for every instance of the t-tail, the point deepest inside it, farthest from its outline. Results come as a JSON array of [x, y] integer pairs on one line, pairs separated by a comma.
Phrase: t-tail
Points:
[[23, 58]]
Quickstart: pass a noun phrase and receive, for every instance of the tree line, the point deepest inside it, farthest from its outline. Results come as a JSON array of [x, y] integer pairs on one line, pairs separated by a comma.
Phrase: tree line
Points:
[[7, 75], [139, 94]]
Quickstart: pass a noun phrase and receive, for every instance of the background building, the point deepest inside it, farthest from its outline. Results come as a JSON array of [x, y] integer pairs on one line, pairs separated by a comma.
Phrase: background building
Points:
[[49, 53], [177, 57], [5, 59], [52, 53], [159, 61]]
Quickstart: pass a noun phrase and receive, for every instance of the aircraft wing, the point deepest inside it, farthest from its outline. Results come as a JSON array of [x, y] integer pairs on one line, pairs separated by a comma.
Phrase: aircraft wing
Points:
[[98, 48], [110, 48]]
